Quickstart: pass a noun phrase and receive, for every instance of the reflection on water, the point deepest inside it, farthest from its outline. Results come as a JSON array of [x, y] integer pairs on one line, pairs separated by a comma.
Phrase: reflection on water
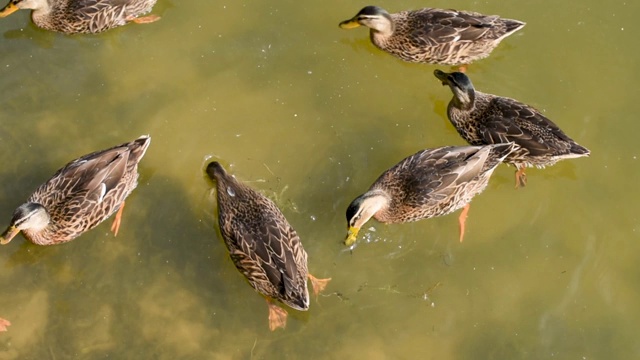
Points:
[[310, 115]]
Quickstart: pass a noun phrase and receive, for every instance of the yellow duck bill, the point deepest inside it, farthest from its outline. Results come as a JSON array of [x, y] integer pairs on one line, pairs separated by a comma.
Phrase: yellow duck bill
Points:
[[8, 235], [8, 10], [352, 236], [349, 24]]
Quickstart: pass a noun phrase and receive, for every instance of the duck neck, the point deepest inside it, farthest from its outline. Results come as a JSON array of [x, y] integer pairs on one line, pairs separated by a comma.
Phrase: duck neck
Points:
[[33, 217], [376, 204], [382, 27], [464, 100], [42, 8]]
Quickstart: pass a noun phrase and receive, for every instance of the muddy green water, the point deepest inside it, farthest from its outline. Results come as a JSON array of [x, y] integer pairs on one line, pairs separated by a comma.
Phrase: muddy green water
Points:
[[310, 115]]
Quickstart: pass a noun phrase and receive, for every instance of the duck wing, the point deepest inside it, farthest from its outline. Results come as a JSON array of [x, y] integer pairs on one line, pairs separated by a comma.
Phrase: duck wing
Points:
[[437, 26], [513, 121]]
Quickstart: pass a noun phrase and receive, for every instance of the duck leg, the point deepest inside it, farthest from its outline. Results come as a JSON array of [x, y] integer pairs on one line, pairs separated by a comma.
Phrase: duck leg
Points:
[[3, 324], [462, 68], [318, 285], [116, 222], [277, 316], [144, 19], [462, 219], [521, 178]]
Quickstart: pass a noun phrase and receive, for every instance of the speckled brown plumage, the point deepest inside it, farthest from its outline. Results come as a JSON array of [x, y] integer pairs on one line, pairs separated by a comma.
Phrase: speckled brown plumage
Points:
[[436, 182], [430, 183], [83, 16], [262, 244], [83, 193], [435, 36], [483, 119]]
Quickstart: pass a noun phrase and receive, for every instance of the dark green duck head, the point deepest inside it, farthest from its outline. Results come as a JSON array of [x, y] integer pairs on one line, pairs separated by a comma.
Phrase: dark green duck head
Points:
[[463, 92]]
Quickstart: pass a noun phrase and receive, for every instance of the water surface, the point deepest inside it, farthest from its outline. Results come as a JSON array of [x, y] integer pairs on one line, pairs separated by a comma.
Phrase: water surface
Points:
[[310, 115]]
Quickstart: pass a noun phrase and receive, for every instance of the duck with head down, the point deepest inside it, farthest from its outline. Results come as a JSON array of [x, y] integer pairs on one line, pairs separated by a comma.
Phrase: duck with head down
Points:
[[263, 245], [81, 195], [430, 183]]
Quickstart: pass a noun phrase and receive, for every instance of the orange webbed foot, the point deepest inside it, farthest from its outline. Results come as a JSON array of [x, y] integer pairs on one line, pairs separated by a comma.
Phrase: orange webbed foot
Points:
[[462, 220], [521, 178], [116, 221], [4, 324], [318, 285], [277, 316], [145, 19]]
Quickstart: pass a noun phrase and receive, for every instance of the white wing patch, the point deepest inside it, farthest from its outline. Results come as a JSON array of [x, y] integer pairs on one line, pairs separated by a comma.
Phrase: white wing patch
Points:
[[103, 191]]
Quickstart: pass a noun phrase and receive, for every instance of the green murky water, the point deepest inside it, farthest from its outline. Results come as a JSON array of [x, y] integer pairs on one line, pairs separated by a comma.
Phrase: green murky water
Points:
[[311, 114]]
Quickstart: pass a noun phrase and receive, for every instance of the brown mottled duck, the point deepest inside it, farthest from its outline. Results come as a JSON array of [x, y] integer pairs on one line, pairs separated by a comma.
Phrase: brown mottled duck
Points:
[[83, 16], [434, 36], [81, 195], [263, 246], [430, 183], [483, 119]]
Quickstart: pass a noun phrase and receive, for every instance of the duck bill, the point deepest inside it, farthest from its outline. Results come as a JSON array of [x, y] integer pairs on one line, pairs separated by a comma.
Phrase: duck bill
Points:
[[442, 76], [349, 24], [9, 234], [352, 235], [8, 10]]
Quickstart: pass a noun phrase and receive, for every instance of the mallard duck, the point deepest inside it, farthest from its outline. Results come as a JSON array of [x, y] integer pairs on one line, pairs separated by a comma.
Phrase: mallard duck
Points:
[[81, 195], [430, 183], [263, 246], [434, 36], [483, 119], [83, 16]]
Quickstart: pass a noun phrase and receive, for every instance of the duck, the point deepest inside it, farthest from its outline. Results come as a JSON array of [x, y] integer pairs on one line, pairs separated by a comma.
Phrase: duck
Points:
[[83, 16], [434, 36], [432, 182], [263, 246], [79, 196], [483, 119]]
